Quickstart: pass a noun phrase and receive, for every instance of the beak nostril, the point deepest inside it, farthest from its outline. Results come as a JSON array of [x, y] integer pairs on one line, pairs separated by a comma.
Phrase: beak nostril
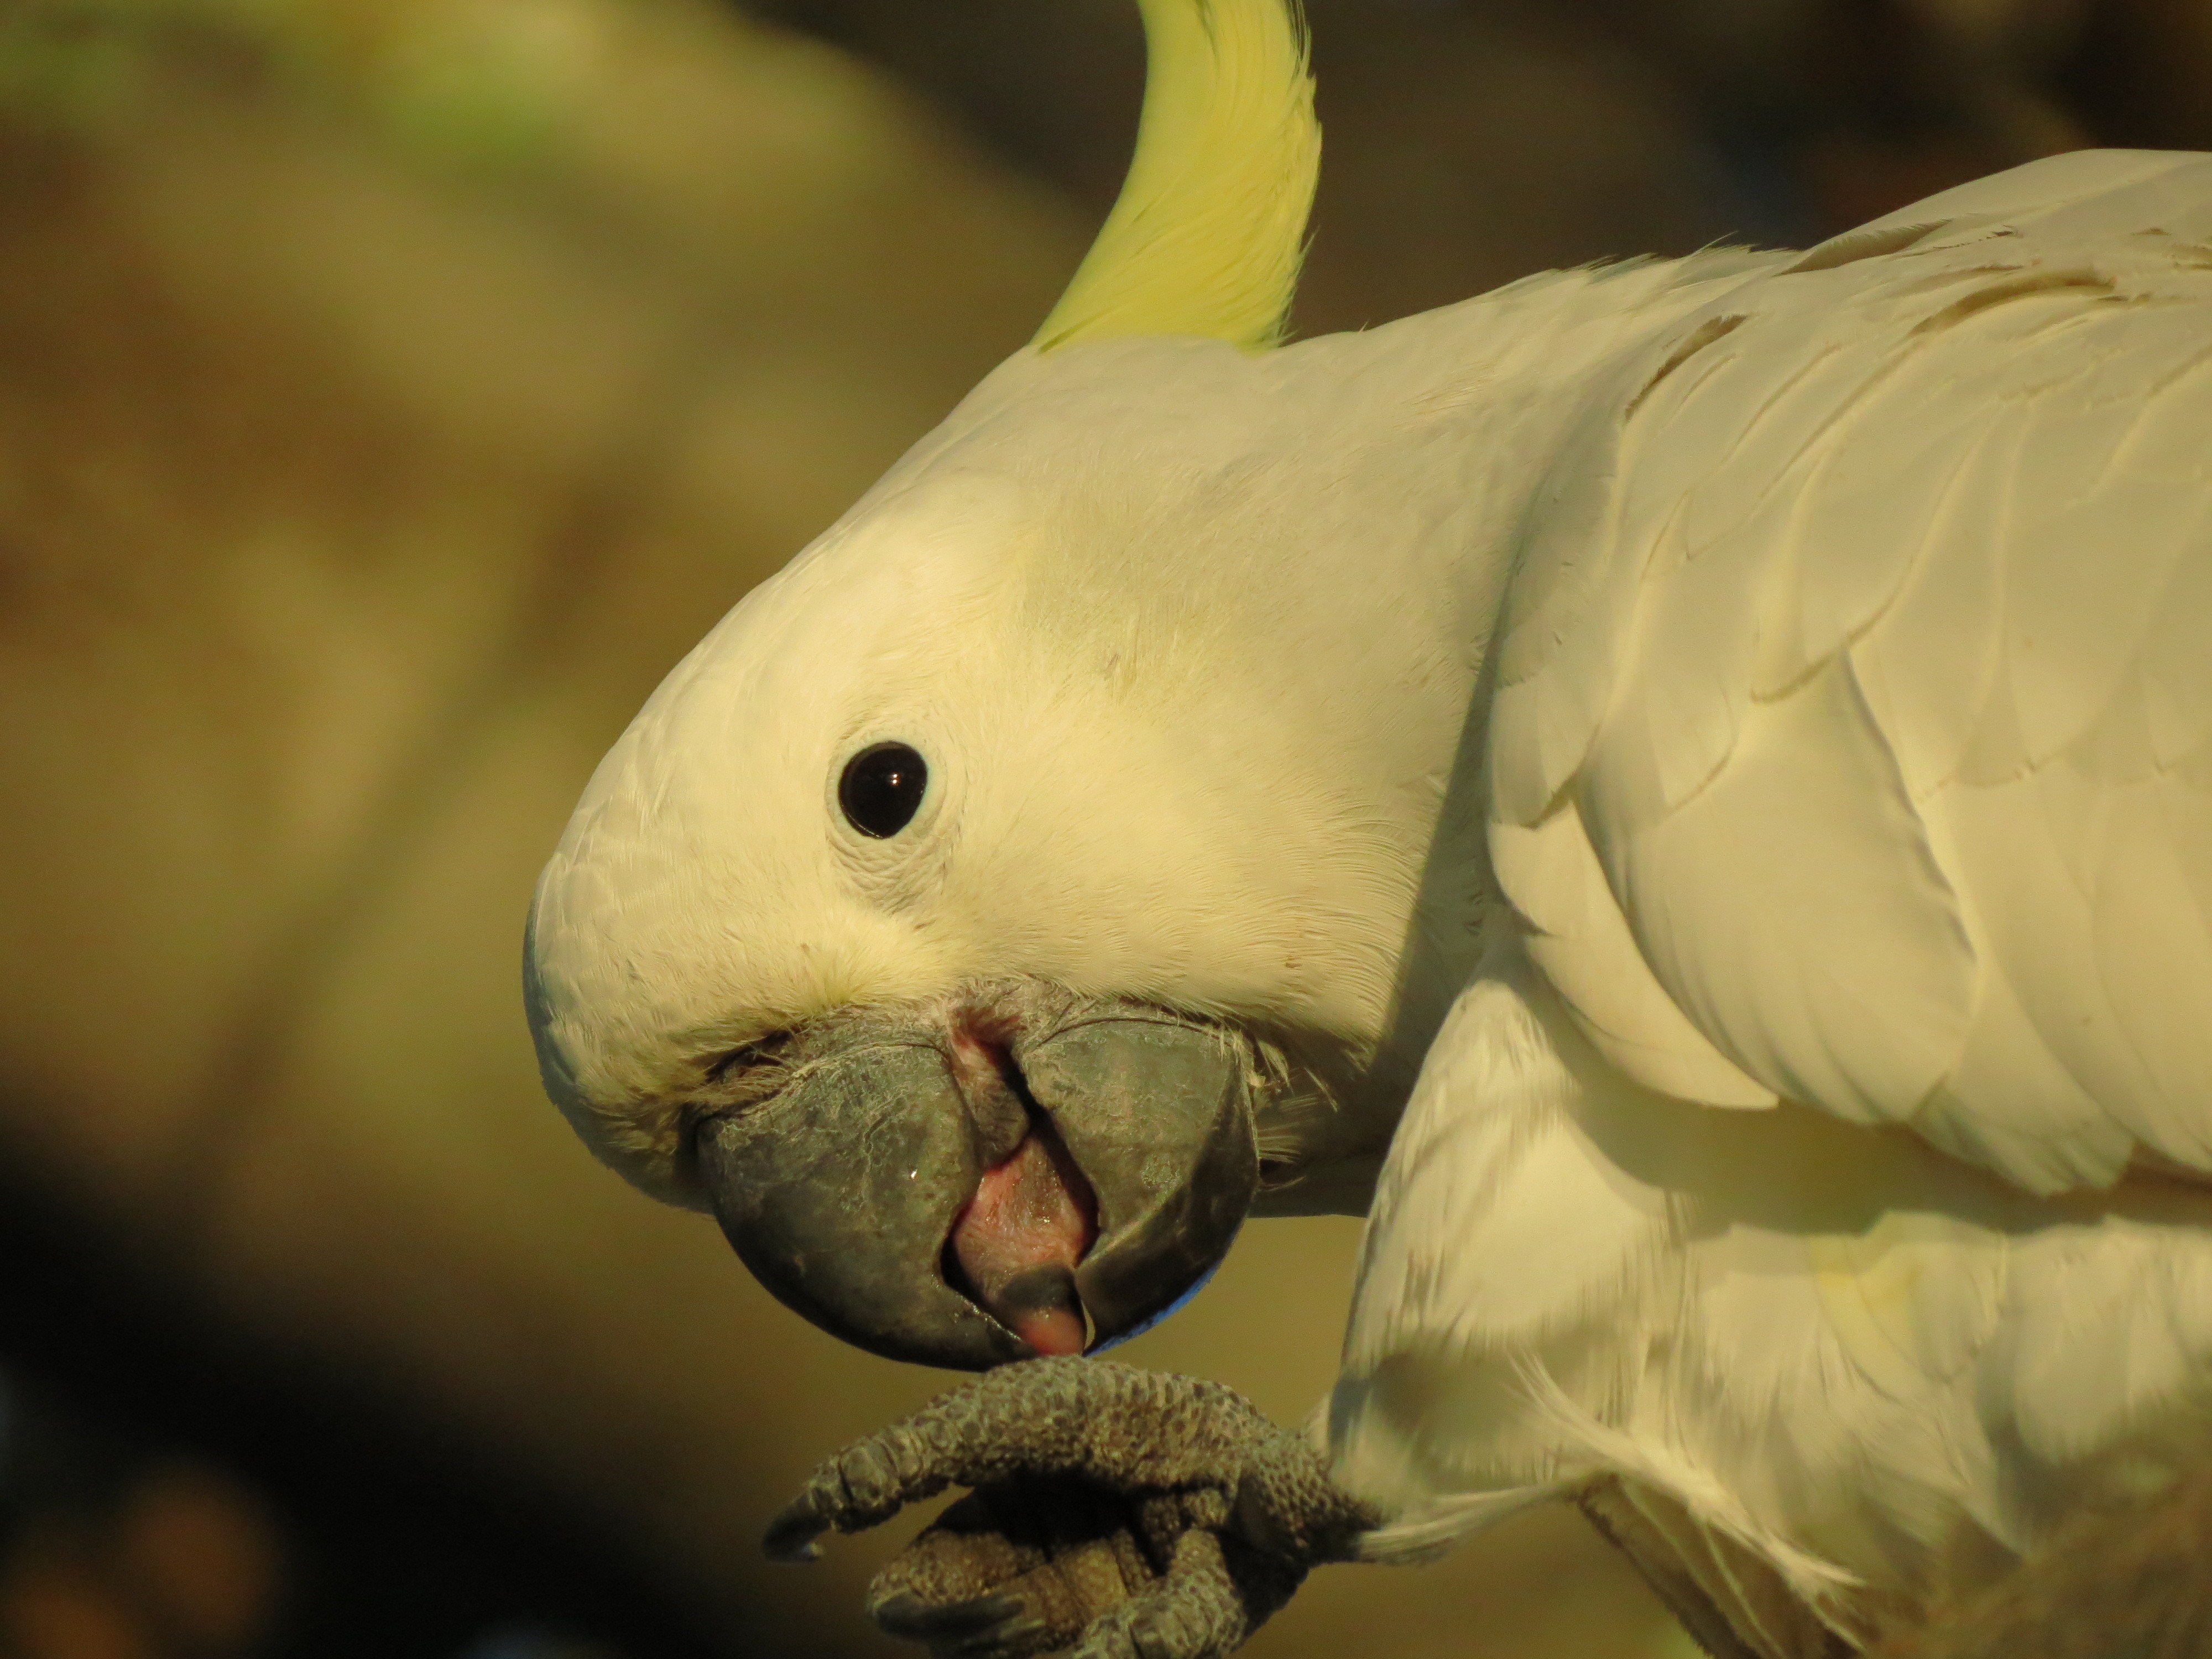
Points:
[[766, 1051]]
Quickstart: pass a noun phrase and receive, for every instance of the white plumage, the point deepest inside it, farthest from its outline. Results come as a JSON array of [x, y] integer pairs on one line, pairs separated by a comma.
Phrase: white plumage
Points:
[[1740, 728], [1851, 746]]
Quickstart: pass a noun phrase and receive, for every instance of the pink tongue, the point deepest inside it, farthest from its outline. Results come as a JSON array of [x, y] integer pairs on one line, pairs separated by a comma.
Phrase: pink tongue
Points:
[[1019, 1241]]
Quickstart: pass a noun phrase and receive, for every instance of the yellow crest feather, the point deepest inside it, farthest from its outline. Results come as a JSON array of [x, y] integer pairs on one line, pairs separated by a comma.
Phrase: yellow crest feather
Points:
[[1208, 232]]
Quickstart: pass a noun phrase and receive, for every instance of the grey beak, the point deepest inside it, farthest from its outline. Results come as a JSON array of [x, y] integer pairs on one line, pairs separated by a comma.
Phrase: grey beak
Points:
[[841, 1192]]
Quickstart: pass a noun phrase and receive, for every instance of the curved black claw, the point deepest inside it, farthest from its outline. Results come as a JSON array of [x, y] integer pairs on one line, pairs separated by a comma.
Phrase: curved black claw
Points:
[[860, 1487], [791, 1534], [1117, 1513], [982, 1627], [916, 1620]]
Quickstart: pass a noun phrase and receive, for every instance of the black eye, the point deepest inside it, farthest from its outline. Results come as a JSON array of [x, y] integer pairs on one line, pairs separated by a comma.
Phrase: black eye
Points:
[[882, 788]]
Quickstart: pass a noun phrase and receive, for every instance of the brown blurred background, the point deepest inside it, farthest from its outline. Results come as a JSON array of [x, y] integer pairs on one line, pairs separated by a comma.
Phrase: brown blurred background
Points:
[[390, 391]]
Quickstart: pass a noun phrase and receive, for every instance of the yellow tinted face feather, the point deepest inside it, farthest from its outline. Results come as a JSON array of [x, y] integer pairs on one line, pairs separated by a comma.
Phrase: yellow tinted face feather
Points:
[[1209, 230]]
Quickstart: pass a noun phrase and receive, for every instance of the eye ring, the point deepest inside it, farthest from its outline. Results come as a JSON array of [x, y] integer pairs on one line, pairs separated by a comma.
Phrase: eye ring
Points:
[[882, 787]]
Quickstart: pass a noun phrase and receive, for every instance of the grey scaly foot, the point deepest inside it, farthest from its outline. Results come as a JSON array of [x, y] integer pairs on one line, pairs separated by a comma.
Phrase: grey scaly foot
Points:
[[1116, 1514]]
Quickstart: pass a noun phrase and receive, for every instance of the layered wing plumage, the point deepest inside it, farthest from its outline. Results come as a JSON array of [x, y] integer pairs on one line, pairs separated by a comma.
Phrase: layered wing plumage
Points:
[[1852, 736]]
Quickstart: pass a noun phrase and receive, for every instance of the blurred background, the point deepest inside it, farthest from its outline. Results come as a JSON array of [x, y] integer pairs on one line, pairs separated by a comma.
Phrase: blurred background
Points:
[[389, 391]]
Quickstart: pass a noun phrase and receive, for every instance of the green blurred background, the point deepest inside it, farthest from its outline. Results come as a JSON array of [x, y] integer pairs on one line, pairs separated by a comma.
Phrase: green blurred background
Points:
[[389, 391]]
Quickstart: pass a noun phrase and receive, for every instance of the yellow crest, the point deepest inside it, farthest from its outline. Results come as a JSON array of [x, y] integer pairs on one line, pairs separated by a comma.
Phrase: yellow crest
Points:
[[1209, 230]]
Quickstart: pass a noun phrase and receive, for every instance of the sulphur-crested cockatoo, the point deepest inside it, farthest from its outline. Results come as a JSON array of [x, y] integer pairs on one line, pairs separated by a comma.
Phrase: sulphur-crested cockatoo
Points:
[[1682, 790]]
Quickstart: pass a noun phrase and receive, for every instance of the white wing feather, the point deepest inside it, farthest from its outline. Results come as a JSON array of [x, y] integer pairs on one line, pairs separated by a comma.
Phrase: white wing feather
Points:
[[1867, 637]]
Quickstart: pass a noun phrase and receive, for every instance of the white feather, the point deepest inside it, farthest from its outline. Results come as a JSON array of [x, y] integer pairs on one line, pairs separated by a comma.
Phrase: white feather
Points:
[[1857, 652], [1875, 761]]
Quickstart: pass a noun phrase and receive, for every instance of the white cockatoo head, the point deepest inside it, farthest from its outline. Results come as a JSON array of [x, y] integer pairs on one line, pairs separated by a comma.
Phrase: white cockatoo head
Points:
[[970, 911]]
